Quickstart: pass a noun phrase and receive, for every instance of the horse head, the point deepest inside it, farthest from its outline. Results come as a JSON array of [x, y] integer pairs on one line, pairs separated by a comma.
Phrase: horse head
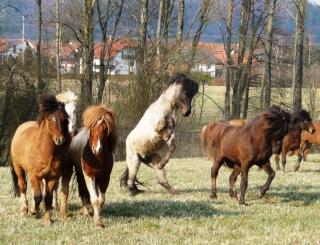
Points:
[[185, 89], [100, 122], [53, 115], [303, 120]]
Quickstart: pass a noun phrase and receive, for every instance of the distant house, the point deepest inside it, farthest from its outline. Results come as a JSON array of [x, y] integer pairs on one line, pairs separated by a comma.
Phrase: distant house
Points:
[[122, 58], [13, 47], [70, 57]]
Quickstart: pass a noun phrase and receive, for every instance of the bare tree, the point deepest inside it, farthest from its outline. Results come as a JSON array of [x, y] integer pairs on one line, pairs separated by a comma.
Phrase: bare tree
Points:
[[41, 84], [180, 26], [298, 55], [109, 13]]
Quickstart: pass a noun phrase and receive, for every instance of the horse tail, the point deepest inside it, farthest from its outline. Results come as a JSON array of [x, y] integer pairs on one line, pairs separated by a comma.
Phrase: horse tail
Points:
[[82, 187], [206, 144], [15, 185]]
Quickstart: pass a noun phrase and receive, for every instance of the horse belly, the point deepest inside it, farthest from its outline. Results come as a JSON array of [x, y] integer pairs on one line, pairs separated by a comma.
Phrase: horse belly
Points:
[[148, 147]]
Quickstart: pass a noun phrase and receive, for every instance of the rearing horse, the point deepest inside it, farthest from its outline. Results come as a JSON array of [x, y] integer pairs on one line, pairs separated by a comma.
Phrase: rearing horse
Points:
[[156, 130], [38, 149]]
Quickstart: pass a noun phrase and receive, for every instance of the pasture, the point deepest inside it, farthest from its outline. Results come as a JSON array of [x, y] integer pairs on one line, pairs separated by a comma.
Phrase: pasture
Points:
[[289, 213]]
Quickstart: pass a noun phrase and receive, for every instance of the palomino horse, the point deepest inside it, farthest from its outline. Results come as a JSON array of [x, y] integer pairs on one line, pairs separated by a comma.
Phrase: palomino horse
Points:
[[91, 152], [232, 146], [156, 130], [38, 148], [300, 120], [307, 140]]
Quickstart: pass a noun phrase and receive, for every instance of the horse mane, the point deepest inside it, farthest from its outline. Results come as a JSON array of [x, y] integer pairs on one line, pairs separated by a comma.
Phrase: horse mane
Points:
[[299, 115], [190, 86], [94, 113], [67, 97], [48, 104], [278, 122]]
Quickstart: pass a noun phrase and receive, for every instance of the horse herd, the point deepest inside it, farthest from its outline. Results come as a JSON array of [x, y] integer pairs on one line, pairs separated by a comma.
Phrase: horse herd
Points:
[[49, 149]]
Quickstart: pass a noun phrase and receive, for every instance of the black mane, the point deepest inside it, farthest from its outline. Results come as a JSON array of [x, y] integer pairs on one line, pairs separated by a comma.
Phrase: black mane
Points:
[[190, 86]]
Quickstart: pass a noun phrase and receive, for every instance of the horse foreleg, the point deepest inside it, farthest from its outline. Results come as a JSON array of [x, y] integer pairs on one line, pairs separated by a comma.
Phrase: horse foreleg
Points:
[[36, 193], [244, 183], [277, 159], [297, 165], [55, 197], [91, 185], [271, 174], [214, 174], [51, 185], [232, 180], [66, 174], [165, 160]]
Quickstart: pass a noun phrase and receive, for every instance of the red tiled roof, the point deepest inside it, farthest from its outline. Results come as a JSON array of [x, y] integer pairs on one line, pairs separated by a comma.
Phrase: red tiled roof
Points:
[[117, 46]]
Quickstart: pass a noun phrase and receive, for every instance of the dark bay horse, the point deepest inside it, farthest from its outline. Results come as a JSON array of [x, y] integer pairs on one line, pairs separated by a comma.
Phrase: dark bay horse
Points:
[[155, 131], [91, 152], [241, 147], [37, 149], [300, 121]]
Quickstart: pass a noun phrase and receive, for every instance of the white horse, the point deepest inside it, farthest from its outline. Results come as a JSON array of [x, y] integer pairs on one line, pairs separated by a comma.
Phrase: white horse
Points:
[[70, 101], [155, 130]]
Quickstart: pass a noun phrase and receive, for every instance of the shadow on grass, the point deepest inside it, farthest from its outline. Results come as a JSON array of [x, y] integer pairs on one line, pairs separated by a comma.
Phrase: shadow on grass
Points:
[[162, 208], [305, 194]]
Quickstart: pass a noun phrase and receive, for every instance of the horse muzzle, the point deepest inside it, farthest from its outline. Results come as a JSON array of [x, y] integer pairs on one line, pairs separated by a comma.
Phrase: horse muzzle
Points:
[[59, 140], [96, 149], [312, 130], [186, 112]]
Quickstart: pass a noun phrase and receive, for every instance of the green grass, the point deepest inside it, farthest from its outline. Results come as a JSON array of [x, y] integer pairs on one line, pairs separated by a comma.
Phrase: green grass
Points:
[[289, 214]]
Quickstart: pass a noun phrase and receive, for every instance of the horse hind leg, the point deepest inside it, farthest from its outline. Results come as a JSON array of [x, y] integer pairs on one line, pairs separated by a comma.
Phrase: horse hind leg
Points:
[[161, 173], [271, 174], [20, 187], [277, 160], [214, 174], [232, 180], [133, 164], [298, 163]]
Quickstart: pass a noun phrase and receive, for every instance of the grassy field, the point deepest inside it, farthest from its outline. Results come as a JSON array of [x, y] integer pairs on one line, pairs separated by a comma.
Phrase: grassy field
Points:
[[289, 214]]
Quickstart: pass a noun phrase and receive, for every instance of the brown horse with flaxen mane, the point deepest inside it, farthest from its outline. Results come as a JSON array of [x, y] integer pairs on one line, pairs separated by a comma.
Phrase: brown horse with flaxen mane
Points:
[[38, 149], [241, 147], [91, 152]]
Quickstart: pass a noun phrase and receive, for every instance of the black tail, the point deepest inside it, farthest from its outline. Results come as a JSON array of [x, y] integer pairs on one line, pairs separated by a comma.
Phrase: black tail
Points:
[[15, 185], [82, 187]]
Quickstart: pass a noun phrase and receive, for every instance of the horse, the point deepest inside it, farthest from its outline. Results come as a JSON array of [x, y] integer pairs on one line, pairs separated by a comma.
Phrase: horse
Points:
[[241, 147], [91, 152], [307, 140], [38, 149], [155, 130], [70, 103], [300, 121], [237, 122]]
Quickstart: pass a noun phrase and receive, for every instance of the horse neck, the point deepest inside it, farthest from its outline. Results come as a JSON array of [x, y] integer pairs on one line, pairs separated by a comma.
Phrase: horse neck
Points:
[[44, 138], [295, 130], [167, 99]]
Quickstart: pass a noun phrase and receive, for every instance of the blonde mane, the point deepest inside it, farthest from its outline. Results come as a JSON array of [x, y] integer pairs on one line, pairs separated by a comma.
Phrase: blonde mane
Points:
[[67, 97]]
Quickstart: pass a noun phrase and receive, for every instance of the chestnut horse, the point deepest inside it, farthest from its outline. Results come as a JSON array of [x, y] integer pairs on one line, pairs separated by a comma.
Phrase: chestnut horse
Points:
[[307, 140], [91, 152], [155, 131], [241, 147], [300, 121], [38, 148]]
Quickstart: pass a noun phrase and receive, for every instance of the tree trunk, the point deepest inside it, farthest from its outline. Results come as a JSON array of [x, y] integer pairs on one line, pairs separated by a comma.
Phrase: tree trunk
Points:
[[267, 73], [298, 56], [58, 45], [87, 55], [238, 86], [160, 29], [41, 84], [179, 35], [229, 61]]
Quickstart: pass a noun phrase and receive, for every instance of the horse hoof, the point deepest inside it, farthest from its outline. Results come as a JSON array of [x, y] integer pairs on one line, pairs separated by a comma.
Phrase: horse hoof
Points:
[[174, 192], [213, 196], [296, 168], [24, 212], [134, 191], [98, 224]]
